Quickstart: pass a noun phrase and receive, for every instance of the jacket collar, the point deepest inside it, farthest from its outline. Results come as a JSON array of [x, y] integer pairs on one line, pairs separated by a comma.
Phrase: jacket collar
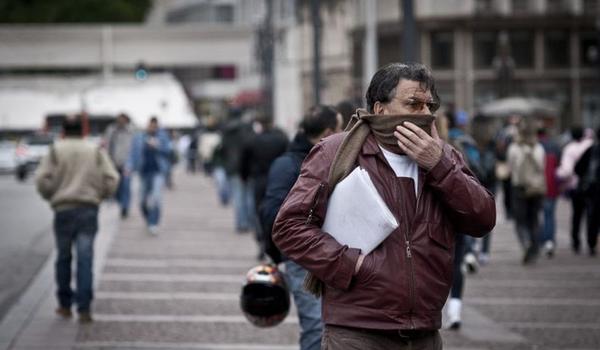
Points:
[[370, 147]]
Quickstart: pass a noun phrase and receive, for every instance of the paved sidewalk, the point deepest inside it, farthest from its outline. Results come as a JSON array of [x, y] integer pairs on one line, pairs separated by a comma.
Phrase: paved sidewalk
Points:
[[180, 290]]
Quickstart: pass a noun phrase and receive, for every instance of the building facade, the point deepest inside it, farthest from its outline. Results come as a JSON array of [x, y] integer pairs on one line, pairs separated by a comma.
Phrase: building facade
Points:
[[550, 48]]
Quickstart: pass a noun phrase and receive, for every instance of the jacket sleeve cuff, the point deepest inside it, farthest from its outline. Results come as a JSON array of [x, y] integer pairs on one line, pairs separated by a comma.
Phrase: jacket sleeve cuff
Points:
[[343, 276], [443, 166]]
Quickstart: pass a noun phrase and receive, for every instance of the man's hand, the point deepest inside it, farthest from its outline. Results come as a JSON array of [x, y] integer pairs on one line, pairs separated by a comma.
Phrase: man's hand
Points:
[[359, 263], [418, 145]]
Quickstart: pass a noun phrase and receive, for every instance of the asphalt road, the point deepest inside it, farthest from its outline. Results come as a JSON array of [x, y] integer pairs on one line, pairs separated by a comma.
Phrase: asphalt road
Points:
[[25, 237]]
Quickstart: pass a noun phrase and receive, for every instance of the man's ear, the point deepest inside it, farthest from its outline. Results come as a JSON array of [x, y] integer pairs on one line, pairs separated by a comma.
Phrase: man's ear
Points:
[[378, 108]]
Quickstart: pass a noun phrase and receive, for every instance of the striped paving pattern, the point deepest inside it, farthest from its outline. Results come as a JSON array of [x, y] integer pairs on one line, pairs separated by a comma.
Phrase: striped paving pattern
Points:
[[180, 290]]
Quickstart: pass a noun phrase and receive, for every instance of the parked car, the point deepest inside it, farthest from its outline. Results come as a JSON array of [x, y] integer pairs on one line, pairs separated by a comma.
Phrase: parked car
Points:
[[29, 152], [8, 160]]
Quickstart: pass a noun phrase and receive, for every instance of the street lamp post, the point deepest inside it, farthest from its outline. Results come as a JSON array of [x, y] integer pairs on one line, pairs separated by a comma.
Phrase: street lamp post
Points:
[[316, 18]]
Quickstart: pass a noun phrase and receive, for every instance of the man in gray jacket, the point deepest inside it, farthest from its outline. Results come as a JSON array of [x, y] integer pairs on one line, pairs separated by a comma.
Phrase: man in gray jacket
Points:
[[117, 141], [75, 177]]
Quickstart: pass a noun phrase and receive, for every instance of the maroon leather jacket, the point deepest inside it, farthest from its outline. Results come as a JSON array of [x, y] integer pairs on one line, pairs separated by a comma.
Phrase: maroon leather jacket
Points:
[[404, 282]]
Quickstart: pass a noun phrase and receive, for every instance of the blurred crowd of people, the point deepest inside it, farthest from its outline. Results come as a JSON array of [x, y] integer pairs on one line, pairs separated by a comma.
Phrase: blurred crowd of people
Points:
[[534, 167], [254, 165]]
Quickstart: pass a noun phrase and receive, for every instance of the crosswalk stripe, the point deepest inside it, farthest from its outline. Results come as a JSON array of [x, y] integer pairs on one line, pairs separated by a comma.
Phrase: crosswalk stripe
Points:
[[176, 346], [532, 301], [179, 318], [166, 296], [156, 277], [121, 262]]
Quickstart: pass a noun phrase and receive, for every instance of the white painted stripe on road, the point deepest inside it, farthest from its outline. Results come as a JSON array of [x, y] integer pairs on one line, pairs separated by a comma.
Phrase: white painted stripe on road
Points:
[[180, 263], [180, 318], [534, 283], [174, 346], [483, 329], [156, 277], [553, 325], [166, 296], [532, 301]]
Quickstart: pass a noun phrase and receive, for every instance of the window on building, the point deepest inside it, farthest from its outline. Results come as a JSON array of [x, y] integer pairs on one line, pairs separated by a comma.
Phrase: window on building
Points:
[[590, 6], [556, 6], [203, 13], [522, 48], [224, 72], [556, 49], [484, 49], [224, 13], [521, 6], [484, 7], [590, 49], [442, 50]]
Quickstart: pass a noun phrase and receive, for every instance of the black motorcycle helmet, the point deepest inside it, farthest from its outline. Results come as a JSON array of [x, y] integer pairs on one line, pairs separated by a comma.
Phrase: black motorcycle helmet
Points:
[[265, 299]]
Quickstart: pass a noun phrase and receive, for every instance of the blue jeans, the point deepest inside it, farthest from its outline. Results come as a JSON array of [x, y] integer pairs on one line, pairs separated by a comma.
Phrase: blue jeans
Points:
[[309, 307], [151, 196], [223, 189], [549, 227], [243, 201], [123, 194], [75, 226]]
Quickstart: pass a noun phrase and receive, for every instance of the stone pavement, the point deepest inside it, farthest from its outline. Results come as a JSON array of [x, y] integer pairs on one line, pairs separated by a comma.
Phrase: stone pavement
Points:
[[180, 290]]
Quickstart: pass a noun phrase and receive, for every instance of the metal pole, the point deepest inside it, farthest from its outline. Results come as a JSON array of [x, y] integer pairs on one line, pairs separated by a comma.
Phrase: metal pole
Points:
[[370, 54], [316, 19], [409, 32], [269, 60]]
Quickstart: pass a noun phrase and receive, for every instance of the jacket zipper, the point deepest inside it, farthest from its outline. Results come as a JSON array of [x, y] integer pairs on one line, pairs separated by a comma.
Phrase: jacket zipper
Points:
[[314, 204], [411, 267]]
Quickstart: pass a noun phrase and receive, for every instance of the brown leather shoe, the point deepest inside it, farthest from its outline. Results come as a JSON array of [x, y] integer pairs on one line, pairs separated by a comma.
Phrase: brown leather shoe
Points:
[[85, 317], [64, 312]]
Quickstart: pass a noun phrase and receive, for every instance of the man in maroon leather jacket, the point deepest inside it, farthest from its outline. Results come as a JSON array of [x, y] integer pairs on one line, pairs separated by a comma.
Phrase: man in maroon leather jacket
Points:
[[392, 297]]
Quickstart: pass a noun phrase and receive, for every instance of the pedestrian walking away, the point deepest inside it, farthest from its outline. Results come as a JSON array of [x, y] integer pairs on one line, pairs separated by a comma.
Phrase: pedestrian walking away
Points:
[[258, 153], [75, 177], [588, 171], [117, 140], [566, 172], [319, 122], [150, 157], [526, 161], [235, 134], [391, 296], [548, 228]]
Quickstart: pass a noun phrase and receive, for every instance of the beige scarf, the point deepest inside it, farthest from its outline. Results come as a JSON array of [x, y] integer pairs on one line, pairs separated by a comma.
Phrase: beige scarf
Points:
[[362, 123]]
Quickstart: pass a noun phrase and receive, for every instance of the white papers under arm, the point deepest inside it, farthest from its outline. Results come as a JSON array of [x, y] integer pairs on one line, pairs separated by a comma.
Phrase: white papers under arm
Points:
[[356, 215]]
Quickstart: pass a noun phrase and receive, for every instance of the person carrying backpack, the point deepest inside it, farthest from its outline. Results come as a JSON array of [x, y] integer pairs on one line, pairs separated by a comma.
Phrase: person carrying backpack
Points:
[[526, 161]]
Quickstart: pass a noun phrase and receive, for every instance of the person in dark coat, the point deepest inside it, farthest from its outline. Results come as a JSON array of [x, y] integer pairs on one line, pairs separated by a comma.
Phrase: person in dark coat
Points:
[[235, 133], [258, 153], [588, 171], [320, 122]]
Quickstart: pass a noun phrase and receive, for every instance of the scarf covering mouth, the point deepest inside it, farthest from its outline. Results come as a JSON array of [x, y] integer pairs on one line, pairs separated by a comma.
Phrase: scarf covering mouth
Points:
[[362, 123], [382, 126]]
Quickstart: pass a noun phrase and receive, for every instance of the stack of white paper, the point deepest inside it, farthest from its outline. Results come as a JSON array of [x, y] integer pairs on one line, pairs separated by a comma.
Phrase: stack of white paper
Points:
[[357, 216]]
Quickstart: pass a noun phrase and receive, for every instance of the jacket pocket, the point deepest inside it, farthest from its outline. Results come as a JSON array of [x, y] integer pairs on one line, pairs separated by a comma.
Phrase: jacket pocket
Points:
[[313, 203], [364, 274], [441, 238]]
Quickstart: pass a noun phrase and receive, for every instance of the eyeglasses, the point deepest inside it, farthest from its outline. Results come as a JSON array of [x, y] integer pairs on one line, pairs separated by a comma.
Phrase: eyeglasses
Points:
[[415, 105]]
